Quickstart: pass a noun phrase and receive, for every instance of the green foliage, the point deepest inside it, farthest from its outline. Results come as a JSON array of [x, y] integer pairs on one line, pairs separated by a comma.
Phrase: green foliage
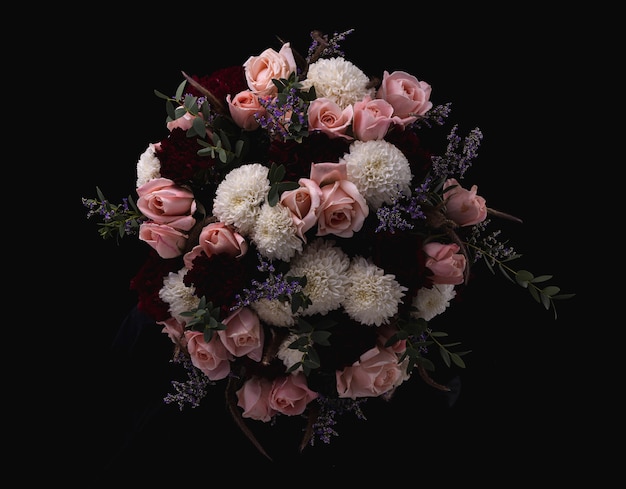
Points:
[[277, 186], [204, 318], [308, 336], [117, 220]]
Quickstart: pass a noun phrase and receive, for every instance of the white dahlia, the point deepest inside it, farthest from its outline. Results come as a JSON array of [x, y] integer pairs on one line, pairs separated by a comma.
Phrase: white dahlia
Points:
[[275, 234], [379, 170]]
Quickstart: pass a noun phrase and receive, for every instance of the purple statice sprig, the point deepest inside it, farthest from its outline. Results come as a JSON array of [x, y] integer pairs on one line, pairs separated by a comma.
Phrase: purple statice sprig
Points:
[[405, 210], [286, 113], [193, 390], [117, 220], [278, 285], [459, 154], [323, 47], [329, 408]]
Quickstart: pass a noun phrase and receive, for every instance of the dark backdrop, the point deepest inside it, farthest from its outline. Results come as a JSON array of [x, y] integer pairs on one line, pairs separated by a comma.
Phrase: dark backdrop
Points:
[[521, 395]]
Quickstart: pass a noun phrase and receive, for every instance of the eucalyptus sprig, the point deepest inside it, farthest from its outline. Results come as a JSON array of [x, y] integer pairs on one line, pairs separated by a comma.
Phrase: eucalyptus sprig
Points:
[[310, 335], [205, 319]]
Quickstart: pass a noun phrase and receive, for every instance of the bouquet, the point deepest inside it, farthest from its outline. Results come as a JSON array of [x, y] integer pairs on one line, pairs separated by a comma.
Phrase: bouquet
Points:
[[304, 239]]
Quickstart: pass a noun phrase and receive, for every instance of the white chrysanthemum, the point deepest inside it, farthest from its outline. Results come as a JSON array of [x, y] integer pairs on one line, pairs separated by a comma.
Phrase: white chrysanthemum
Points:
[[177, 295], [324, 265], [148, 166], [379, 170], [339, 80], [274, 233], [274, 312], [432, 302], [239, 196], [372, 297], [290, 356]]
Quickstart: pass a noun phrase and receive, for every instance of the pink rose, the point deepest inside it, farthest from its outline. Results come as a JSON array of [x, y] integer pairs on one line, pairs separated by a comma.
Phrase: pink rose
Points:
[[376, 372], [447, 265], [464, 207], [212, 357], [184, 122], [303, 203], [290, 395], [175, 330], [325, 173], [409, 96], [164, 202], [243, 334], [167, 241], [217, 238], [343, 210], [269, 65], [245, 108], [326, 116], [372, 119], [385, 332], [253, 398]]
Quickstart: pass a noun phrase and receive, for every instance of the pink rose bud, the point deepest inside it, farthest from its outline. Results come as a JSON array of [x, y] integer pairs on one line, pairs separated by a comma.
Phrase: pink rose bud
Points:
[[326, 116], [447, 265], [164, 202], [290, 395], [464, 207], [253, 398], [372, 119], [303, 203], [167, 241], [243, 335], [245, 109], [270, 65], [212, 357]]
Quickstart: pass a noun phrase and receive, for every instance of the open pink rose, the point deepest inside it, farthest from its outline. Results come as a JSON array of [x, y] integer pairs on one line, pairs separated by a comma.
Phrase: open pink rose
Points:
[[303, 203], [326, 116], [253, 398], [446, 263], [343, 210], [372, 119], [269, 65], [212, 357], [409, 96], [217, 238], [245, 108], [243, 334], [464, 207], [291, 394], [167, 241], [164, 202], [376, 372]]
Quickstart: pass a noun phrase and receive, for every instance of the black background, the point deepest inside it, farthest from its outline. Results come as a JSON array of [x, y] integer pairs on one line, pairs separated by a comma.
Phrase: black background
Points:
[[523, 407]]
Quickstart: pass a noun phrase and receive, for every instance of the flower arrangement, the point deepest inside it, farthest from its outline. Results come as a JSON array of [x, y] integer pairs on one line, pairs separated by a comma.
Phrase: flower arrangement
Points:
[[303, 240]]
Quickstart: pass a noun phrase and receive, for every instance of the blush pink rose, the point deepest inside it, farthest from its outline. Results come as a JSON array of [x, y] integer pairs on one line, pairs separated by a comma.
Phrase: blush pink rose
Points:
[[217, 238], [245, 108], [326, 116], [244, 334], [409, 96], [269, 65], [372, 119], [184, 122], [291, 394], [385, 332], [464, 207], [164, 202], [167, 241], [212, 357], [376, 372], [343, 210], [175, 330], [303, 203], [325, 173], [253, 398], [446, 263]]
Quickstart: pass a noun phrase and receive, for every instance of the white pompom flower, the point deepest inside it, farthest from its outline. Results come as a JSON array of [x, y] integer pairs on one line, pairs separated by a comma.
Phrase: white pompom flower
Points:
[[432, 302], [372, 297], [178, 296], [379, 170], [239, 196], [148, 166], [339, 80], [324, 265], [275, 234], [274, 312]]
